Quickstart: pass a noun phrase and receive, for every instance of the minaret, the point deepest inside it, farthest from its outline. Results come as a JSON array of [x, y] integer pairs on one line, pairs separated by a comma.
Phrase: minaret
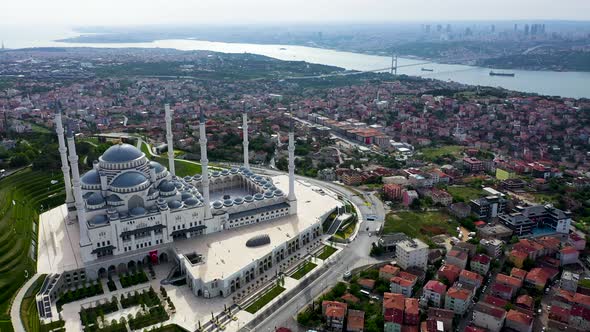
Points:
[[80, 205], [169, 140], [204, 166], [63, 153], [245, 134], [291, 196]]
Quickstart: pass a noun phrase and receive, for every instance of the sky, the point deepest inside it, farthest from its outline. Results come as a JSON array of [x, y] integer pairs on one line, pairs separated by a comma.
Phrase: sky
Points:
[[137, 12]]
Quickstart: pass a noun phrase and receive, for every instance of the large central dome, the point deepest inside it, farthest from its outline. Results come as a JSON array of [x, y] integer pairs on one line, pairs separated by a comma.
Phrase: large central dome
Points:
[[121, 153]]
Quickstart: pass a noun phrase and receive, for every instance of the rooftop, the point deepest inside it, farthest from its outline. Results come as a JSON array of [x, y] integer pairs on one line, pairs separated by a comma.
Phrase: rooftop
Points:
[[226, 253], [490, 310], [519, 317]]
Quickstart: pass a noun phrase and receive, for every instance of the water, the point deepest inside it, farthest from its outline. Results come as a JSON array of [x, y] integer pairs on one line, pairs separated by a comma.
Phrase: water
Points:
[[565, 84]]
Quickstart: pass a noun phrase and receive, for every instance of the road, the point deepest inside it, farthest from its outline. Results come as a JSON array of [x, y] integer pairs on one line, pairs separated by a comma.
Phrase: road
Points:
[[354, 255]]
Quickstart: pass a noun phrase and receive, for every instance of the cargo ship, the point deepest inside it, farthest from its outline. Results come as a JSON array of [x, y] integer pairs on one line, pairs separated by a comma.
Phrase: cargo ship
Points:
[[427, 69], [493, 73]]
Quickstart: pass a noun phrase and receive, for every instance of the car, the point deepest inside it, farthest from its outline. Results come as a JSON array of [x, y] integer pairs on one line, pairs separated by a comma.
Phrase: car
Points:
[[347, 275]]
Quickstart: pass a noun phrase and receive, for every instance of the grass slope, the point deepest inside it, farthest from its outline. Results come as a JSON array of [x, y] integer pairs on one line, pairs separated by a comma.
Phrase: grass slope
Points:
[[31, 191]]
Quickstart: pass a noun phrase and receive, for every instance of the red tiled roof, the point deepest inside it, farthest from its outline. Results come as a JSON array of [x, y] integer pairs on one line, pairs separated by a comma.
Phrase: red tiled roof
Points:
[[519, 254], [389, 269], [367, 283], [565, 295], [500, 288], [393, 301], [436, 286], [518, 273], [519, 317], [457, 254], [459, 293], [350, 298], [469, 275], [402, 282], [334, 309], [582, 299], [412, 306], [356, 319], [537, 277], [495, 301], [481, 258], [525, 301], [581, 311], [508, 280], [489, 309], [568, 250]]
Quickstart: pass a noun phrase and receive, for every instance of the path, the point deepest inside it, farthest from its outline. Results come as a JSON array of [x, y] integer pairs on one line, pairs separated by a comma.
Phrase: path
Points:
[[17, 323]]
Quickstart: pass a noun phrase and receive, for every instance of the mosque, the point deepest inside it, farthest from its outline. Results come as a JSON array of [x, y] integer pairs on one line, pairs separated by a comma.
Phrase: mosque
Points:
[[223, 228]]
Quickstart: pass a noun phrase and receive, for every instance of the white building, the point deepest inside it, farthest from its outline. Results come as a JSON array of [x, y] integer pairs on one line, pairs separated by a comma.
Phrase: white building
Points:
[[223, 228], [488, 316], [412, 252]]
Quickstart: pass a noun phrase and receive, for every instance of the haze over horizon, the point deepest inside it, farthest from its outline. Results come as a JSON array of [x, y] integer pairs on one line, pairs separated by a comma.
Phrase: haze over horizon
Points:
[[133, 12]]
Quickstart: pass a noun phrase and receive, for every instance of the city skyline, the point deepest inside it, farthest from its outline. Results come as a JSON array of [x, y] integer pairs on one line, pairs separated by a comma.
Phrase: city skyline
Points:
[[109, 12]]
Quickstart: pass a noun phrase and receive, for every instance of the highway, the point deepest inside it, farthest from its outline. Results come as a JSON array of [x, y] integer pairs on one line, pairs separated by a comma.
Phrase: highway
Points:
[[354, 255]]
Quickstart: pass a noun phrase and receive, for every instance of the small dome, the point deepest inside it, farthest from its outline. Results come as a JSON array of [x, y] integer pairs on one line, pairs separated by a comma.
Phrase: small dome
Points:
[[95, 199], [174, 204], [161, 201], [225, 172], [197, 177], [217, 204], [121, 153], [91, 177], [99, 220], [248, 198], [137, 211], [268, 194], [278, 192], [234, 171], [238, 201], [258, 240], [191, 201], [187, 178], [129, 179], [258, 196], [159, 168], [228, 202], [216, 174], [185, 195], [166, 186]]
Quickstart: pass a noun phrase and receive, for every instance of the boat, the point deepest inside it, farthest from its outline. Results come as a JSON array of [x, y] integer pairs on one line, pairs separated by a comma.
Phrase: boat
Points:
[[493, 73], [427, 69], [282, 49]]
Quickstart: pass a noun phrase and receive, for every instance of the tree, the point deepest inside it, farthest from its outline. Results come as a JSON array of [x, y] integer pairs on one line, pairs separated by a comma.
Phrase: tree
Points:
[[19, 160], [514, 239], [528, 264]]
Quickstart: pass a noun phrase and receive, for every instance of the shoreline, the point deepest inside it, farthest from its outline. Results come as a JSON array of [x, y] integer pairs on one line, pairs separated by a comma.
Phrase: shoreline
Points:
[[74, 40]]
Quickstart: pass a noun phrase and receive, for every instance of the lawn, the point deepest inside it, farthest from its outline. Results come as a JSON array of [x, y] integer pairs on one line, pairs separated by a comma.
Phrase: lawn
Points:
[[303, 270], [264, 299], [434, 153], [22, 196], [28, 309], [422, 225], [346, 231], [463, 193], [327, 252]]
